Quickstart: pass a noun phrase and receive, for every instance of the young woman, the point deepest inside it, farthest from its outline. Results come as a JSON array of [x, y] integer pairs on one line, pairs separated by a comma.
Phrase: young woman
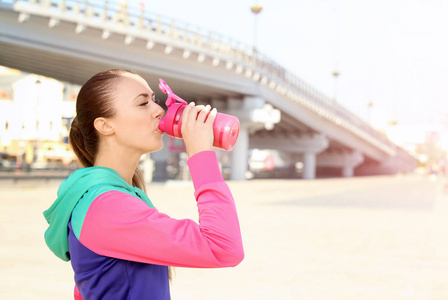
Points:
[[119, 245]]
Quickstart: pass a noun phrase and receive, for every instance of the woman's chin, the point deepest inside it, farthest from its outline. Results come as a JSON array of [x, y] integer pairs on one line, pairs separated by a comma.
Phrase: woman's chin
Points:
[[155, 148]]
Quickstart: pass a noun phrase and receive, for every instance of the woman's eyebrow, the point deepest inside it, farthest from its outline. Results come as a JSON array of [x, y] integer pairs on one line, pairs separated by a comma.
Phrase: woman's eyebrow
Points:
[[145, 95]]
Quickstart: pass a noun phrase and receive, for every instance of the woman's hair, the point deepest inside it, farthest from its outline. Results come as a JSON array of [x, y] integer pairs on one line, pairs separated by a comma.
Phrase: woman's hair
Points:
[[94, 101]]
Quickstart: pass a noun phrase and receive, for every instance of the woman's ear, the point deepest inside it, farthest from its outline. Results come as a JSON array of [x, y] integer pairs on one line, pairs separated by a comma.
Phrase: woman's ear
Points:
[[103, 126]]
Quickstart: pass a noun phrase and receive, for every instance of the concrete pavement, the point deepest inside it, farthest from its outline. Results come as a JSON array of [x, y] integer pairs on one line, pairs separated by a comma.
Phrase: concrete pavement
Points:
[[360, 238]]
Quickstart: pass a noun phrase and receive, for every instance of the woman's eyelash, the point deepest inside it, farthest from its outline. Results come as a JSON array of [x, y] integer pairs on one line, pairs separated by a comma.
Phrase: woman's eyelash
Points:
[[155, 100]]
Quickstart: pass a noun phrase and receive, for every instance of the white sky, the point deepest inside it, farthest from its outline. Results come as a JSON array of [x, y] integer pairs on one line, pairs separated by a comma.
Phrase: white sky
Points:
[[390, 52]]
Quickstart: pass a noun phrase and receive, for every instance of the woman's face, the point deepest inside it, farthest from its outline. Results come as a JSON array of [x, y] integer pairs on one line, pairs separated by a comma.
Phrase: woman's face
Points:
[[137, 116]]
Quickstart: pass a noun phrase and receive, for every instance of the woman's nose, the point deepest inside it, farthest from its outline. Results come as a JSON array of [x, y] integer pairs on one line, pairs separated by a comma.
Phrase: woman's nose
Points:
[[160, 112]]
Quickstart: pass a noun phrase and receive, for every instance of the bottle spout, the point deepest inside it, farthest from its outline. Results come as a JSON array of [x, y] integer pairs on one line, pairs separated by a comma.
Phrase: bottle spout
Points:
[[171, 97], [162, 125]]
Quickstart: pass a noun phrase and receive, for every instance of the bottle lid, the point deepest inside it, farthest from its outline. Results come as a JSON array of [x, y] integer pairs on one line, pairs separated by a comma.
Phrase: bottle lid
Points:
[[166, 123]]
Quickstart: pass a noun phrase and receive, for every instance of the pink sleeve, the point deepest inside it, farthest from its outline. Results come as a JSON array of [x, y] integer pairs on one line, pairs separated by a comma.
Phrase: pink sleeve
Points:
[[122, 226], [77, 294]]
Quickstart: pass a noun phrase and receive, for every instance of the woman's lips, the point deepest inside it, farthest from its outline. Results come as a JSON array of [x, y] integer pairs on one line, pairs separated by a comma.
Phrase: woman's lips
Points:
[[158, 130]]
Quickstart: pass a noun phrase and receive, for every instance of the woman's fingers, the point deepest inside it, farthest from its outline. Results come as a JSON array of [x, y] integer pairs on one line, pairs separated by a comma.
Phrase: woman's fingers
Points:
[[197, 128], [203, 114], [199, 113], [211, 117], [186, 113]]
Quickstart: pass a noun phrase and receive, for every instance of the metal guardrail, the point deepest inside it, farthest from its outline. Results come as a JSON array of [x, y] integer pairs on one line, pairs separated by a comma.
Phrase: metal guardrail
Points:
[[141, 22]]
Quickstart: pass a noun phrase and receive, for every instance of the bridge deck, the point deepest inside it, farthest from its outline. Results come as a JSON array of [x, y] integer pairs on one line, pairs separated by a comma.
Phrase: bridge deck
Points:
[[70, 43], [359, 238]]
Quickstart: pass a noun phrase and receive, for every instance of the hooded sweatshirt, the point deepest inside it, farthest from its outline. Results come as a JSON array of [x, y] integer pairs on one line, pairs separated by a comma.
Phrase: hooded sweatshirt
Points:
[[120, 245]]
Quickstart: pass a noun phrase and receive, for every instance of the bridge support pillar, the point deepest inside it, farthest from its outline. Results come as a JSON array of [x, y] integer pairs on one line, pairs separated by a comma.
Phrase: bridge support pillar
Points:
[[254, 114], [309, 165], [348, 171], [240, 156], [347, 160], [148, 168], [311, 145], [308, 145]]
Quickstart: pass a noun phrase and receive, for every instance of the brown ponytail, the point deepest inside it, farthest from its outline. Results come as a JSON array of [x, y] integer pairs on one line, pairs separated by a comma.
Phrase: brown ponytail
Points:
[[138, 180], [77, 142]]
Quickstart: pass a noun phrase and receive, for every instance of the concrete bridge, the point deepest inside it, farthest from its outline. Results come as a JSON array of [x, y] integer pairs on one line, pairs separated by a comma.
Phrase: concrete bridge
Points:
[[72, 40]]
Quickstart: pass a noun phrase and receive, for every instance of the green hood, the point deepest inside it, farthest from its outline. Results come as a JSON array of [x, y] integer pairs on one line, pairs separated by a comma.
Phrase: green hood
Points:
[[70, 192]]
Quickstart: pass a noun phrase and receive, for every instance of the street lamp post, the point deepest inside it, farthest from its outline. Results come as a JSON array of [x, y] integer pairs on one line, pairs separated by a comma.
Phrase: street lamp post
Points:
[[255, 9], [335, 75], [369, 111]]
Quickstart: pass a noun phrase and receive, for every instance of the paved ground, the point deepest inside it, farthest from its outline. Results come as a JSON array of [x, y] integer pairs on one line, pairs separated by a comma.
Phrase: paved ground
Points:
[[361, 238]]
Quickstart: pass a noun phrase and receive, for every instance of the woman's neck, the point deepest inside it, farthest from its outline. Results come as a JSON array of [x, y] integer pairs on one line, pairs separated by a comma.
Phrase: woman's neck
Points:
[[120, 161]]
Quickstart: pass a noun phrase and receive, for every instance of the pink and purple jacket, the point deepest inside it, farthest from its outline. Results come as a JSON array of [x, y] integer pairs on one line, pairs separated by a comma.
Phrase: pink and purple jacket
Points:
[[120, 245]]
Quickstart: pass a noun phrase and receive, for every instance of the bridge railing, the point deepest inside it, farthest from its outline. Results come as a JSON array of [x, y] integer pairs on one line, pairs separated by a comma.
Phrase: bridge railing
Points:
[[235, 54]]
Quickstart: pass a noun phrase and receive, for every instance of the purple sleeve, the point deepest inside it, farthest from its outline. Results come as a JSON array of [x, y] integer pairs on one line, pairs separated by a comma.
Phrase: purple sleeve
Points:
[[122, 226]]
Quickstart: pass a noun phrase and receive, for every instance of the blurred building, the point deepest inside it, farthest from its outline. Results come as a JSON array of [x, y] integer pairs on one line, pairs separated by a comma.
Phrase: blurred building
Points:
[[34, 122], [432, 156]]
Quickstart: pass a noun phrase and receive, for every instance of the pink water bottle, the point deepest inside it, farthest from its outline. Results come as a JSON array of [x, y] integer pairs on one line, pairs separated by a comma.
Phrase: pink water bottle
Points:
[[225, 127]]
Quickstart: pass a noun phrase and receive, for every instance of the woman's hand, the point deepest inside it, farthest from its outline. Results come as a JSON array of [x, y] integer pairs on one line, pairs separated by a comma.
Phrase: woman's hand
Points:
[[197, 128]]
